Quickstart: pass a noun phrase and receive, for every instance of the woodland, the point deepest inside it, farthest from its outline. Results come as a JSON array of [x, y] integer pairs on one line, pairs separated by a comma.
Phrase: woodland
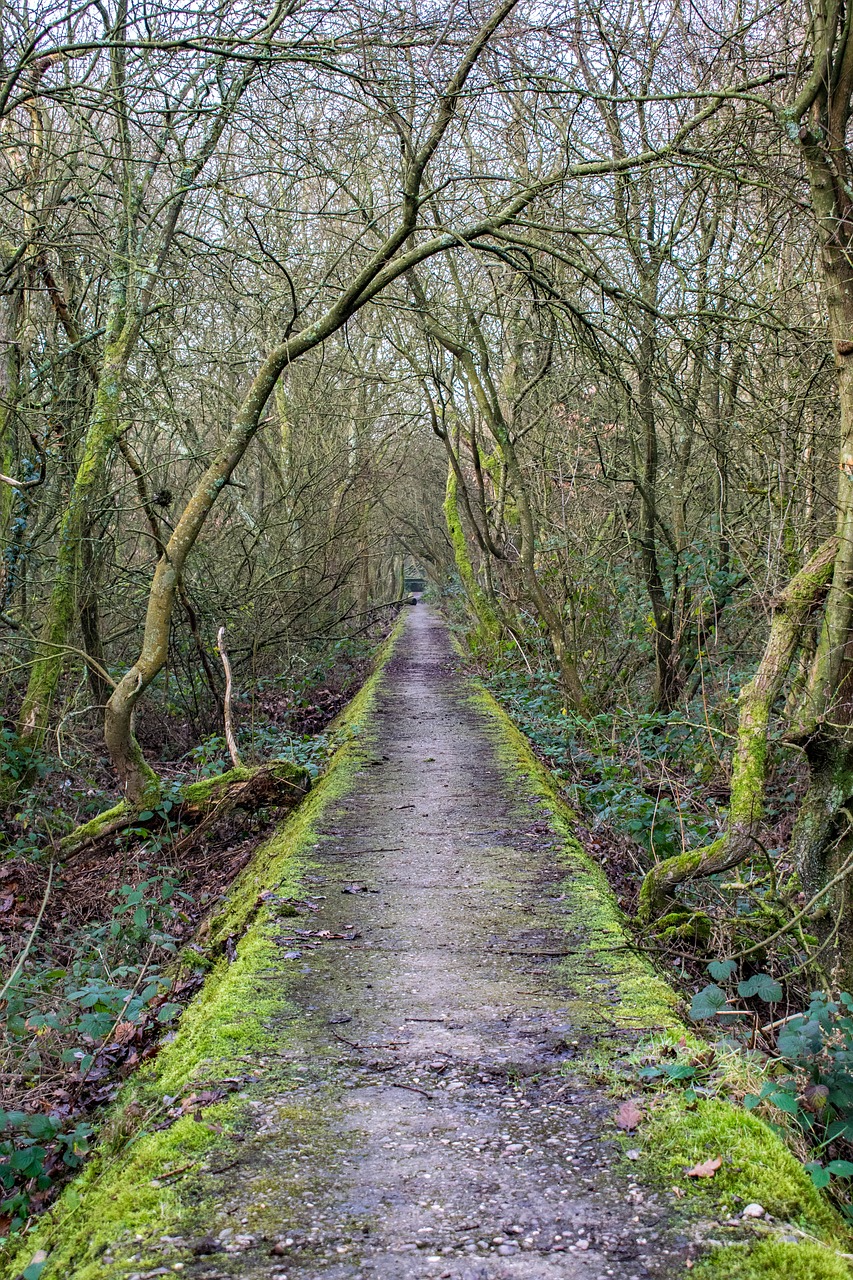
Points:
[[551, 305]]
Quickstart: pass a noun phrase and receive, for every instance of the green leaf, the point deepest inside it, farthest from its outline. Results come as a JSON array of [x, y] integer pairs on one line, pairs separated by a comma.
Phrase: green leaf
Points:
[[168, 1011], [41, 1126], [29, 1160], [761, 985], [785, 1102], [146, 815], [34, 1270], [707, 1002], [680, 1071], [751, 1101], [722, 970], [818, 1174], [841, 1168]]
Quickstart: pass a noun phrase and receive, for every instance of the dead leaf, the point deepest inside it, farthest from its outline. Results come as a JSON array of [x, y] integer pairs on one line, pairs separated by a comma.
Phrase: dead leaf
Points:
[[628, 1116], [124, 1032], [706, 1169]]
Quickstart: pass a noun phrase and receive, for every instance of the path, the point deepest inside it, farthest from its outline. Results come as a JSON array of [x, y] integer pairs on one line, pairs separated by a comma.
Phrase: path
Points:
[[434, 1039]]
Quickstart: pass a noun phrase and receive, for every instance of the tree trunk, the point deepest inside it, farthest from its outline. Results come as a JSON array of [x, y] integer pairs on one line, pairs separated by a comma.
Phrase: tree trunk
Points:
[[488, 624], [749, 767], [54, 641]]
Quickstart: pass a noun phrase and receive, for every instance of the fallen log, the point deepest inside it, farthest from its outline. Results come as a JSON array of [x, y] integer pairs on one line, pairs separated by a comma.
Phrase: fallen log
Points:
[[278, 783]]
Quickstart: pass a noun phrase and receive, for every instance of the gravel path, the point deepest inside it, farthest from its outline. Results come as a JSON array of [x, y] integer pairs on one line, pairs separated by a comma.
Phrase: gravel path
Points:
[[434, 1038]]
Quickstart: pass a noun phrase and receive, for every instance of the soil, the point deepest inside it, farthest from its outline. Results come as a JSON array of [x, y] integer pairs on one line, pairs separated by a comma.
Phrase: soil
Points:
[[434, 1124]]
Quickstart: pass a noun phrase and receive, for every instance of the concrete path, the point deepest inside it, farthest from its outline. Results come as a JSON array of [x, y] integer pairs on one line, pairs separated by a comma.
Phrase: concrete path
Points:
[[435, 1037]]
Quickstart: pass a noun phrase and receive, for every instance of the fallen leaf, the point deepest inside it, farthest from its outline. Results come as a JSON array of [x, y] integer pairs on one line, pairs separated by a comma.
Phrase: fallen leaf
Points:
[[628, 1116], [706, 1169]]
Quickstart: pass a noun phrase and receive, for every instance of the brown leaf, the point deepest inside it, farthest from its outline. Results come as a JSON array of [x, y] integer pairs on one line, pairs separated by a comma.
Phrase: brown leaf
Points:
[[706, 1169], [628, 1116], [124, 1032]]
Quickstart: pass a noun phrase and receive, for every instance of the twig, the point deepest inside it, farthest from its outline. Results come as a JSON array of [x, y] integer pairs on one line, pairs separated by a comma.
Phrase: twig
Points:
[[226, 700], [26, 951], [392, 1084]]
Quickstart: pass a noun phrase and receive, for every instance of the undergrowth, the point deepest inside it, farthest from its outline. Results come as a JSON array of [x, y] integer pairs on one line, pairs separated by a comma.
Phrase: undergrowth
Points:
[[94, 956], [653, 785]]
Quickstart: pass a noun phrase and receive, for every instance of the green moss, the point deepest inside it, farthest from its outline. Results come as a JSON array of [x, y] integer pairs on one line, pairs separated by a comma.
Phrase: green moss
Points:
[[488, 624], [616, 984], [210, 789], [773, 1260], [206, 791], [96, 826], [757, 1166], [123, 1200]]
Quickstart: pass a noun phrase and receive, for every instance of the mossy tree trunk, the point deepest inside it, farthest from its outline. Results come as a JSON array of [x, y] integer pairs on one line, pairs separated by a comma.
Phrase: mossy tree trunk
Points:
[[54, 641], [488, 626], [820, 117], [749, 767]]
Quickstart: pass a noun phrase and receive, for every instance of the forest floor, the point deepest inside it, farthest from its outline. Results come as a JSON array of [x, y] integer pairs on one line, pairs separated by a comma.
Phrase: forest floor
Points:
[[413, 1106]]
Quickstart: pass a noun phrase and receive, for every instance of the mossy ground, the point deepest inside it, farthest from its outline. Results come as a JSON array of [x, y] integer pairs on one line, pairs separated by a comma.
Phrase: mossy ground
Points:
[[616, 984], [773, 1260], [143, 1181]]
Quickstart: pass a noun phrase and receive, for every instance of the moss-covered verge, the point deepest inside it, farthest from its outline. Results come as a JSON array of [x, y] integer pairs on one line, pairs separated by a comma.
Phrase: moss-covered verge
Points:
[[805, 1238], [617, 986], [179, 1122]]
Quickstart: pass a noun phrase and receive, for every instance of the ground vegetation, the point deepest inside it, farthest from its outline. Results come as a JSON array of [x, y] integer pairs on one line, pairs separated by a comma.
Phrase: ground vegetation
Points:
[[550, 308]]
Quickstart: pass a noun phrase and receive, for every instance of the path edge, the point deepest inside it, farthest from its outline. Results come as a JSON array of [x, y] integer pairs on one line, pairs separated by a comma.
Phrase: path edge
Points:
[[675, 1137], [117, 1191]]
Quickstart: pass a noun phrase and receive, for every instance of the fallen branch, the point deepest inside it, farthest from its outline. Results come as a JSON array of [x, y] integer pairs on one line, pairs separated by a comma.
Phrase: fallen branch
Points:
[[279, 783]]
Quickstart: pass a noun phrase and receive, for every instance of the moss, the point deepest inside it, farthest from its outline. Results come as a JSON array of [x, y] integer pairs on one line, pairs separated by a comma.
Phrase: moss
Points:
[[209, 789], [773, 1260], [125, 1199], [488, 624], [95, 827], [616, 984], [757, 1166], [196, 794]]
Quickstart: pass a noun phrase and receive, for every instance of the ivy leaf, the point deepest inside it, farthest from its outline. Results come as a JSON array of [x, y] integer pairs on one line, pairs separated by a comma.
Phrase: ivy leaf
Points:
[[722, 970], [707, 1002], [761, 985]]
